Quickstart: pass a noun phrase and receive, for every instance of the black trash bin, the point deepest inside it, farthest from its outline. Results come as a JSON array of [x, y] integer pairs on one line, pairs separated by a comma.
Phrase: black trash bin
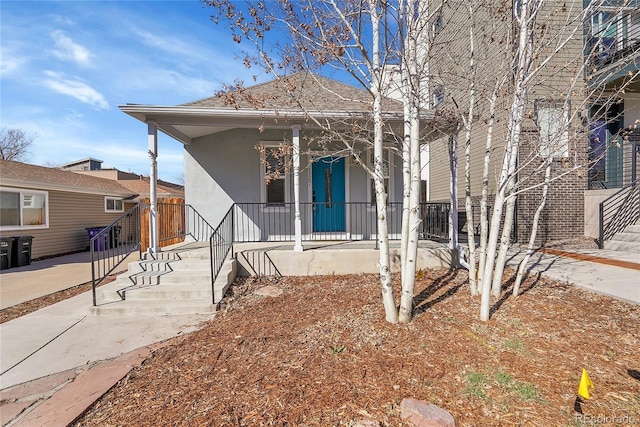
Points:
[[6, 245], [21, 251], [114, 236], [101, 243]]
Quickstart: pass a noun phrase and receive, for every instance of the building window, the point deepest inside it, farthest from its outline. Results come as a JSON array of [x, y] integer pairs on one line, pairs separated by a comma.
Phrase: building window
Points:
[[552, 119], [386, 167], [22, 209], [274, 176], [112, 204]]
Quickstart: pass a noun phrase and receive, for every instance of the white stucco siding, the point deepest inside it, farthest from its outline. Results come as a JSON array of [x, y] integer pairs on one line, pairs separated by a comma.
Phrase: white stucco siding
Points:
[[225, 168]]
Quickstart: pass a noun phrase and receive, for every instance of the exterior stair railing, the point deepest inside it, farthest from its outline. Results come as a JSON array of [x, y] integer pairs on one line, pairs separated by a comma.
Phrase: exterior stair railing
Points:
[[618, 211], [111, 245], [220, 244]]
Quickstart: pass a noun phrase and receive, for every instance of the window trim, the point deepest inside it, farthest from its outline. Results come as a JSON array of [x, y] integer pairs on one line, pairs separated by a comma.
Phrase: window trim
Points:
[[561, 149], [21, 192], [263, 185], [107, 210]]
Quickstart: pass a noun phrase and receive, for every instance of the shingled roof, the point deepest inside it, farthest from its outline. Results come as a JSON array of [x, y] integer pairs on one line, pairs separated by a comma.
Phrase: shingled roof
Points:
[[163, 189], [299, 92], [40, 177]]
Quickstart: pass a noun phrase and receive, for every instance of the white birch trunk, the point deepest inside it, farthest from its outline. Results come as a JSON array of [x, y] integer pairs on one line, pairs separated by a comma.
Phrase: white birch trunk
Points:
[[406, 303], [534, 228], [453, 193], [484, 214], [384, 264], [412, 85], [516, 114], [406, 174], [505, 243], [473, 287]]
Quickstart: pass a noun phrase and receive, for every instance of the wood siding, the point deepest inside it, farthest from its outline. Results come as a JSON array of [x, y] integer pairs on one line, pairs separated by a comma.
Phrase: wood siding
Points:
[[69, 215], [552, 83]]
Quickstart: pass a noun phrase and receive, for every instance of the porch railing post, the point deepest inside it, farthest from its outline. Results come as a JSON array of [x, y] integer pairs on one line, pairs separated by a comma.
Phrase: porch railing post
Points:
[[296, 189]]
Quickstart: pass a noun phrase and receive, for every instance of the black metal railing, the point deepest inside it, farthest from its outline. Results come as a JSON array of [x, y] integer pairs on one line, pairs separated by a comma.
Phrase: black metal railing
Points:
[[220, 244], [254, 222], [618, 211], [196, 226], [258, 222], [111, 245], [613, 36]]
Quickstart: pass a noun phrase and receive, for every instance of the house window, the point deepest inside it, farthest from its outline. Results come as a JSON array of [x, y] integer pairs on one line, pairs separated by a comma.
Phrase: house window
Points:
[[274, 177], [112, 204], [385, 173], [553, 126], [23, 209]]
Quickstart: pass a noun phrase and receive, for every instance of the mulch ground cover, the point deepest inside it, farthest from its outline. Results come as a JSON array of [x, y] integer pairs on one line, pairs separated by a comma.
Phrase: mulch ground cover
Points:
[[321, 354]]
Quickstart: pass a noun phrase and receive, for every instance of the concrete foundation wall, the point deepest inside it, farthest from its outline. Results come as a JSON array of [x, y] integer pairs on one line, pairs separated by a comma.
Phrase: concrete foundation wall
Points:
[[592, 199], [340, 261]]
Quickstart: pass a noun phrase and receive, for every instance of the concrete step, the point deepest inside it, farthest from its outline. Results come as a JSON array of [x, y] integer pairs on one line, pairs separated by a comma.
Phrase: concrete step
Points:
[[164, 298], [182, 253], [618, 245], [626, 236], [162, 291], [168, 277], [634, 228], [155, 307], [188, 264]]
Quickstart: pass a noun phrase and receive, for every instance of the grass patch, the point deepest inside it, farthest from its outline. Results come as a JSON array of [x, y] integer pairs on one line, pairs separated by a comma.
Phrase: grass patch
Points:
[[476, 382], [514, 344], [526, 391], [479, 382]]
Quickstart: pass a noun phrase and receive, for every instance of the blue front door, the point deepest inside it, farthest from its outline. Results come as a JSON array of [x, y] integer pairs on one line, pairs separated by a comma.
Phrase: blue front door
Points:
[[327, 177]]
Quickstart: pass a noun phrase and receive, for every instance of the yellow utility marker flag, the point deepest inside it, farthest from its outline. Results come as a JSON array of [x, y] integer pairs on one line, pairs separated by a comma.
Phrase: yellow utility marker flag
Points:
[[585, 383]]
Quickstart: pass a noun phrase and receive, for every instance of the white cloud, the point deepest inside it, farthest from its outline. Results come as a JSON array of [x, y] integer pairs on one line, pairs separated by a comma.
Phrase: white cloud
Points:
[[170, 45], [12, 61], [67, 49], [75, 88]]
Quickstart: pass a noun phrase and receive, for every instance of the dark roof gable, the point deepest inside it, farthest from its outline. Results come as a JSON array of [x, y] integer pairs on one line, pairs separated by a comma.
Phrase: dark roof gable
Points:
[[299, 92], [16, 173]]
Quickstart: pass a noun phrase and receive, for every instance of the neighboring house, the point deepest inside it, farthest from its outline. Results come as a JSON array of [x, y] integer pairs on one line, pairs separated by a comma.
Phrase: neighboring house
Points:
[[572, 203], [223, 164], [88, 164], [55, 206], [138, 184]]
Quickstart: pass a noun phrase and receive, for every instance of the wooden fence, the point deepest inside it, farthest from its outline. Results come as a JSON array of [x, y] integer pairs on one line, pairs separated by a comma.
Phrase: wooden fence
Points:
[[171, 222]]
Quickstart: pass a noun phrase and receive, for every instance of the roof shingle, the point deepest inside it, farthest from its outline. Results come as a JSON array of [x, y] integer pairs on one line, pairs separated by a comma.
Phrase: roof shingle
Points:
[[299, 92], [24, 174]]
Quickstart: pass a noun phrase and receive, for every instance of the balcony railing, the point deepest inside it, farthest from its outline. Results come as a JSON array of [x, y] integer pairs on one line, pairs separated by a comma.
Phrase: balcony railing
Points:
[[613, 36]]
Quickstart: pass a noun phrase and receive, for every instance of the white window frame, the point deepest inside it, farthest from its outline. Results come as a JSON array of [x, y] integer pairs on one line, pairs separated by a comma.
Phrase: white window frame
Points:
[[23, 192], [552, 143], [263, 184], [115, 199], [389, 177]]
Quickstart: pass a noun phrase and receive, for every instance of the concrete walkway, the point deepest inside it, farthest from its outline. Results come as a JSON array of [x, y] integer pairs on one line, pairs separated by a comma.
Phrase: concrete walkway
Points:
[[57, 361], [612, 273], [20, 284]]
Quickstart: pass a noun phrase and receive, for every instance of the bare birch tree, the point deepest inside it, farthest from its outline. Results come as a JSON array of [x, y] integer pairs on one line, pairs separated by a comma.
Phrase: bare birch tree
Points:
[[540, 51], [365, 39], [15, 144]]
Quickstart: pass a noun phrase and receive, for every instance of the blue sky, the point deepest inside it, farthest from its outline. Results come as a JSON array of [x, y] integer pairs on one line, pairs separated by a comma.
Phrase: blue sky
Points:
[[66, 66]]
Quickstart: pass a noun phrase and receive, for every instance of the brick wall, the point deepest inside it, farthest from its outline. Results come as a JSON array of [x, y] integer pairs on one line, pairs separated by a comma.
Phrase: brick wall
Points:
[[563, 215]]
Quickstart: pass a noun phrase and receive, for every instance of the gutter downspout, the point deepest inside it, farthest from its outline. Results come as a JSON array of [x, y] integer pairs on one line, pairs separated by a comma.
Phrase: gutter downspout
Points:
[[152, 139]]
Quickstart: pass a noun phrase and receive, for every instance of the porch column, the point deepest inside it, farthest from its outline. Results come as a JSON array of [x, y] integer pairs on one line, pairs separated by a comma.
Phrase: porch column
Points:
[[152, 134], [296, 188]]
